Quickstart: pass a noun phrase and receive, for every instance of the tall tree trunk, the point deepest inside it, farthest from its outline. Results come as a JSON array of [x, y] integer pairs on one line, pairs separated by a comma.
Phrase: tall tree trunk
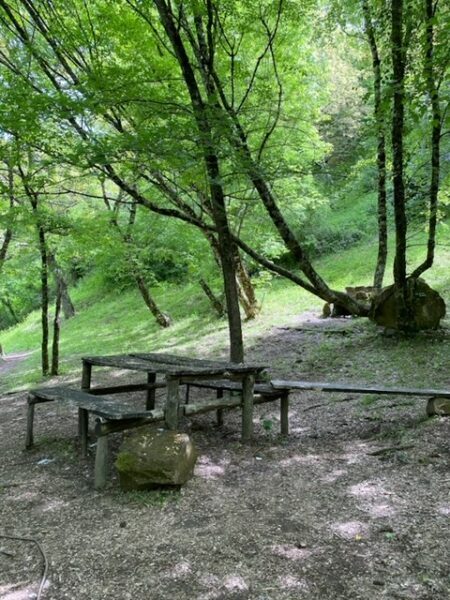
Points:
[[56, 330], [201, 115], [33, 198], [398, 64], [381, 148], [44, 300], [436, 126], [66, 301]]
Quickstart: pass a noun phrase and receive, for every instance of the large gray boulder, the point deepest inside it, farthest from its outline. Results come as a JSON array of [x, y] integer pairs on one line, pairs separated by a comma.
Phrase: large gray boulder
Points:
[[149, 459], [428, 308]]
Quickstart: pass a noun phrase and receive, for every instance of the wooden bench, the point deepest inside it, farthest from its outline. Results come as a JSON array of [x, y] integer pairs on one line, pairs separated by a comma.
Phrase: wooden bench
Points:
[[263, 392], [111, 417], [430, 393]]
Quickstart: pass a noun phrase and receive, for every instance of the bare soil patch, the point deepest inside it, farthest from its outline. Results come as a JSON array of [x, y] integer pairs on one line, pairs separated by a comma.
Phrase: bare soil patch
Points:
[[353, 505]]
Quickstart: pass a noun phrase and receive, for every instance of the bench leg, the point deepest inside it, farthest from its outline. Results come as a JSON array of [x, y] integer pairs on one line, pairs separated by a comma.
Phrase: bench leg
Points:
[[83, 425], [219, 412], [248, 385], [151, 394], [172, 402], [188, 391], [284, 413], [101, 462], [30, 422]]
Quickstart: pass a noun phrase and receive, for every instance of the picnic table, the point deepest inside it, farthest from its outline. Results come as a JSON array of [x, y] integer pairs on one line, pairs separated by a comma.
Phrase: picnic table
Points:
[[175, 371]]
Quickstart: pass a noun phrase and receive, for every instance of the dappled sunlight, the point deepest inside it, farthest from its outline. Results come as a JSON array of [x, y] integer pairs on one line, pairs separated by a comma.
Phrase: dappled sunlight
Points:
[[179, 570], [355, 453], [444, 509], [18, 591], [290, 582], [207, 469], [235, 583], [291, 552], [333, 476], [24, 496], [298, 459], [374, 499], [51, 505], [351, 530]]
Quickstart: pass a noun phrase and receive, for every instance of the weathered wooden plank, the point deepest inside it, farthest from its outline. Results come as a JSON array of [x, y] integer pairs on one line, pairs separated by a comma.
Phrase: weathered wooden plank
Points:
[[119, 361], [107, 427], [129, 387], [185, 365], [102, 407], [225, 384], [219, 404], [357, 388]]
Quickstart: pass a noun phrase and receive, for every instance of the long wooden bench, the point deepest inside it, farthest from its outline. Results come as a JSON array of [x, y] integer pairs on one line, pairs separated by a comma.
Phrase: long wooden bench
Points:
[[430, 393], [112, 416], [263, 392]]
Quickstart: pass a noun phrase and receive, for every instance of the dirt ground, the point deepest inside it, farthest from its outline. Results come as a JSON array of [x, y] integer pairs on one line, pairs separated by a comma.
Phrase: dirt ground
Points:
[[354, 504]]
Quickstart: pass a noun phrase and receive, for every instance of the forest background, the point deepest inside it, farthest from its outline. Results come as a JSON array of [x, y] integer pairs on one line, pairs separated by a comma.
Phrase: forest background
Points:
[[203, 158]]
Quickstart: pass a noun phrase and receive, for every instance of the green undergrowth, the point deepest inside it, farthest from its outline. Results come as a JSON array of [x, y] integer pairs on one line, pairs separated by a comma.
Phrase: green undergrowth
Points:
[[119, 322]]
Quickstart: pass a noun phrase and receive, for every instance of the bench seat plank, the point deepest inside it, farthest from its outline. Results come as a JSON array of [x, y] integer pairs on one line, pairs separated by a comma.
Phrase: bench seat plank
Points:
[[102, 407], [358, 388]]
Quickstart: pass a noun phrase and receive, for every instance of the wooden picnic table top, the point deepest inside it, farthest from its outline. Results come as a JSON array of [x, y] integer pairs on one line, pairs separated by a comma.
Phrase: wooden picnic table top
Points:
[[171, 364]]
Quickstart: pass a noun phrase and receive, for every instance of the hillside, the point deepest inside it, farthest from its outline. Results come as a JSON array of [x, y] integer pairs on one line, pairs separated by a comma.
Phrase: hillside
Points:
[[108, 322]]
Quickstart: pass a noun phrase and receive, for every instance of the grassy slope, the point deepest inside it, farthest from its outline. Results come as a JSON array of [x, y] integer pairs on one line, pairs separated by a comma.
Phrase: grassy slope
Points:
[[120, 322]]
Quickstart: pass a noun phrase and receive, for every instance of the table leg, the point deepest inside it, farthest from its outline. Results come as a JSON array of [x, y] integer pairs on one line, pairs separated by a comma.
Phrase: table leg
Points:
[[101, 461], [30, 420], [248, 385], [151, 393], [219, 411], [86, 376], [284, 413], [172, 402], [83, 423]]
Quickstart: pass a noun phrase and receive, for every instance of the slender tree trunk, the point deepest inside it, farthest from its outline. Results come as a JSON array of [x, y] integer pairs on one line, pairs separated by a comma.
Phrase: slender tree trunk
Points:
[[398, 64], [161, 318], [56, 330], [436, 126], [9, 232], [7, 304], [381, 149], [44, 300], [246, 290], [33, 198], [66, 301], [215, 302]]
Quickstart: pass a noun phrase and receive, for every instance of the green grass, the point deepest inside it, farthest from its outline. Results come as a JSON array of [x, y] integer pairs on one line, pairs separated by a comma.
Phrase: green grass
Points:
[[116, 322]]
